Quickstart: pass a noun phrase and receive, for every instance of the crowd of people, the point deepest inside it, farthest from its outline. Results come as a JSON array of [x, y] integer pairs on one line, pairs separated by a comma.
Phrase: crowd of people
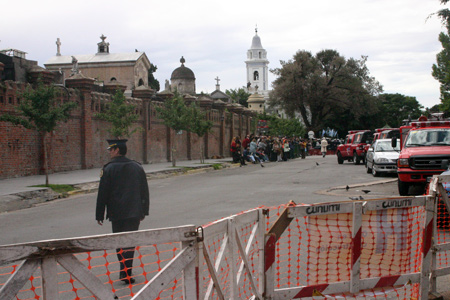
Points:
[[260, 149]]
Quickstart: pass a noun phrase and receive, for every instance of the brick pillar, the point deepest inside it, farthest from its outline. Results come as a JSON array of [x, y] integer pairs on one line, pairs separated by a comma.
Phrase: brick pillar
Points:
[[85, 85], [206, 137], [37, 73], [189, 145], [240, 125], [232, 129], [169, 134], [2, 67], [222, 132], [145, 94], [112, 87]]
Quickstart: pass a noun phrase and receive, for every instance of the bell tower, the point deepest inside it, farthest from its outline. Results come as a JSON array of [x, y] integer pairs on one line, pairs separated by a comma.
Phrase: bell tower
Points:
[[257, 67]]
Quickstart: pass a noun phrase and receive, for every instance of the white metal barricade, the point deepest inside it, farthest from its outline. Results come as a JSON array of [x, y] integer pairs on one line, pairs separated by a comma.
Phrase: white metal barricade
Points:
[[231, 257], [352, 247]]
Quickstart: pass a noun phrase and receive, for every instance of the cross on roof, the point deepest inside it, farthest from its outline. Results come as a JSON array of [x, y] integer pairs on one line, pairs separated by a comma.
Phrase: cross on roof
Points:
[[217, 79], [58, 47]]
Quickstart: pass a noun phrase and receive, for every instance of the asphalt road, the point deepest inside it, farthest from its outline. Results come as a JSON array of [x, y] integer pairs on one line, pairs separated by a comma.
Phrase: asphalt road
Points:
[[200, 198]]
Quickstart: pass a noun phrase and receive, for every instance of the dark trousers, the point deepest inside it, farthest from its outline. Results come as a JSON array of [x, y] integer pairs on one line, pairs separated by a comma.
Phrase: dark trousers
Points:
[[125, 255]]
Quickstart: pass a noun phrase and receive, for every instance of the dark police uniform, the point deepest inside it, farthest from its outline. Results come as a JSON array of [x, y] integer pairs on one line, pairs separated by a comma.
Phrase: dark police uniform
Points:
[[123, 191]]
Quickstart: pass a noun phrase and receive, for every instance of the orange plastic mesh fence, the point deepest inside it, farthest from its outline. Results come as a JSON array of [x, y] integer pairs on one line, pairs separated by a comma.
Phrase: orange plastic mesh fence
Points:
[[443, 233], [312, 250], [147, 261], [215, 245], [318, 249]]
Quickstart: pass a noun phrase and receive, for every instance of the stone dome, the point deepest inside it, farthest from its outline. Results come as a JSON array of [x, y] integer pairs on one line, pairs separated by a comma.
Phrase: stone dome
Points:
[[256, 98], [256, 42], [182, 72]]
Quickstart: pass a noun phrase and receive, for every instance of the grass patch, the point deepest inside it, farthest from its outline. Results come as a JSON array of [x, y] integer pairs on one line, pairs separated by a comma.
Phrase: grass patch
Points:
[[217, 166], [58, 188], [186, 169]]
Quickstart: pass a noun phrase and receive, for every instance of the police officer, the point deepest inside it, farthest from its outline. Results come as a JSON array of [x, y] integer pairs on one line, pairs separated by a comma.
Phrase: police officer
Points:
[[123, 191]]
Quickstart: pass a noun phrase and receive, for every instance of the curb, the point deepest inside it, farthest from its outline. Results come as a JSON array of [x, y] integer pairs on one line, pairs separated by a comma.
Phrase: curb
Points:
[[329, 191], [23, 200]]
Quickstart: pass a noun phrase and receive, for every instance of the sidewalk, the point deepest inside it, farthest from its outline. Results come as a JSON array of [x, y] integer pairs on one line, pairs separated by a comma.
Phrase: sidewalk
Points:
[[17, 193]]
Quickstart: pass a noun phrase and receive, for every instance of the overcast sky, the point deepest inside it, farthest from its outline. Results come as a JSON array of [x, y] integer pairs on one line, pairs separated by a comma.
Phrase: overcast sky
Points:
[[214, 36]]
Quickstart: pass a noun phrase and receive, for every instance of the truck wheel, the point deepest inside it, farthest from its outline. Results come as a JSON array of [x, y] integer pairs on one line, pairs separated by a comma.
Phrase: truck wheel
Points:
[[403, 188], [339, 158], [356, 158]]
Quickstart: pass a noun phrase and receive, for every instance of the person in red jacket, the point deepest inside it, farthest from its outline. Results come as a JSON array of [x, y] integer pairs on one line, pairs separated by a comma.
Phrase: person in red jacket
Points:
[[236, 151], [246, 142]]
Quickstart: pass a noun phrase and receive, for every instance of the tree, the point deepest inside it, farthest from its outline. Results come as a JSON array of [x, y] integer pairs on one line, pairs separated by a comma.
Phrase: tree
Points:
[[283, 127], [443, 14], [153, 83], [397, 107], [322, 86], [199, 125], [286, 127], [441, 70], [176, 115], [239, 95], [121, 115], [42, 111]]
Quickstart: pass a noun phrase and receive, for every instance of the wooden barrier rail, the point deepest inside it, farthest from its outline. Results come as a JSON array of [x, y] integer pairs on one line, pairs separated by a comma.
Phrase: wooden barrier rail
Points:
[[47, 254]]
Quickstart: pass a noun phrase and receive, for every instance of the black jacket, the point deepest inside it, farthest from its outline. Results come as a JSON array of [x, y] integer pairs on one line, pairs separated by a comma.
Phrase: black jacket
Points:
[[123, 190]]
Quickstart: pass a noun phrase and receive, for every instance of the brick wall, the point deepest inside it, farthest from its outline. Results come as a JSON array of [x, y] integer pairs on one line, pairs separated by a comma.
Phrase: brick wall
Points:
[[81, 141]]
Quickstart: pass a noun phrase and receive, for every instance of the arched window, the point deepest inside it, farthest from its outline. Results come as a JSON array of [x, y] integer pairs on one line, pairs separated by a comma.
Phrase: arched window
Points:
[[260, 54], [255, 75], [113, 79], [251, 55], [141, 82]]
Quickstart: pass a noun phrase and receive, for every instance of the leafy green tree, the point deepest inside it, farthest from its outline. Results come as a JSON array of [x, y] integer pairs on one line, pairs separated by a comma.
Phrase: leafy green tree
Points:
[[441, 70], [121, 115], [286, 127], [176, 115], [42, 111], [199, 125], [239, 95], [283, 127], [434, 109], [153, 83], [443, 14], [321, 87], [397, 107]]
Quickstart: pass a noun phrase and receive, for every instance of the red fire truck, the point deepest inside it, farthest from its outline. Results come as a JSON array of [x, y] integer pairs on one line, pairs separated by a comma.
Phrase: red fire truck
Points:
[[353, 148], [424, 146], [386, 133]]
